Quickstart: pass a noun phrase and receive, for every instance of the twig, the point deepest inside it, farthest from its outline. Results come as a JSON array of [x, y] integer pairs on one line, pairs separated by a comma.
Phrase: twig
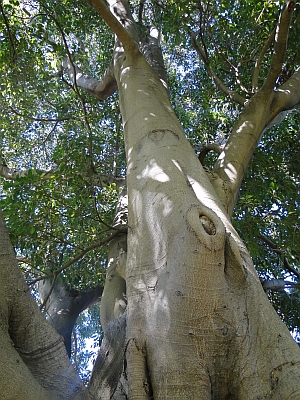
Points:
[[82, 254], [25, 116], [203, 55], [275, 248], [11, 38], [77, 92]]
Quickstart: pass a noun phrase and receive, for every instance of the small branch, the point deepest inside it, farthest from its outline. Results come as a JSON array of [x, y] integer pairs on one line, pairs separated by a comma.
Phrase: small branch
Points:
[[210, 147], [287, 96], [288, 266], [25, 116], [24, 260], [227, 61], [221, 86], [238, 79], [10, 35], [258, 63], [77, 92], [96, 179], [277, 285], [100, 89], [141, 11], [12, 174], [275, 248], [81, 254], [273, 284], [75, 349], [49, 293]]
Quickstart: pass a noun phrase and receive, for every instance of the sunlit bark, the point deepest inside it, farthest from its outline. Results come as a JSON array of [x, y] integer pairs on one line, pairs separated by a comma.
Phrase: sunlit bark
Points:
[[199, 324]]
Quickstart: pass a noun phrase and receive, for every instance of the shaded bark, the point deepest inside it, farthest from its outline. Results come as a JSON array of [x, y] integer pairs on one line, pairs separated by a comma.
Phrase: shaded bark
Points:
[[198, 321], [106, 381], [64, 305]]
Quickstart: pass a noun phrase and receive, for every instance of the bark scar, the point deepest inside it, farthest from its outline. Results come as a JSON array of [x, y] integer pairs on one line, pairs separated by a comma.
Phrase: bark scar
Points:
[[206, 226], [156, 135]]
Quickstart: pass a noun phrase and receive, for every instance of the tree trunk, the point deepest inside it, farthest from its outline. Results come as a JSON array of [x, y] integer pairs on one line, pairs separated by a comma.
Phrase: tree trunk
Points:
[[199, 324]]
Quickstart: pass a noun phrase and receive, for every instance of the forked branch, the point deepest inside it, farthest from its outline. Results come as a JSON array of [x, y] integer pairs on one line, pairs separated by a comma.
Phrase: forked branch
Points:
[[261, 110], [218, 82]]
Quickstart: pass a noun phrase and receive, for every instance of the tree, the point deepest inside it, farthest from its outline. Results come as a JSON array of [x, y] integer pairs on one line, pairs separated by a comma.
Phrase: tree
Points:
[[183, 310]]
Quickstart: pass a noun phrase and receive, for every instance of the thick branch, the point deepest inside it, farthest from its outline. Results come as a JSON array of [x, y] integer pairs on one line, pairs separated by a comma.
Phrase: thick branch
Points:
[[233, 161], [26, 338], [152, 52], [231, 165], [11, 174], [255, 117], [63, 306], [100, 89], [280, 45], [110, 361], [117, 16], [287, 96]]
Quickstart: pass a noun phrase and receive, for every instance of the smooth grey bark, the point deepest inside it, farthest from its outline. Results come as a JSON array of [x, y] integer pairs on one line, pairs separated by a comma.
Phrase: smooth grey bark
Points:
[[199, 324], [64, 305], [198, 321]]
